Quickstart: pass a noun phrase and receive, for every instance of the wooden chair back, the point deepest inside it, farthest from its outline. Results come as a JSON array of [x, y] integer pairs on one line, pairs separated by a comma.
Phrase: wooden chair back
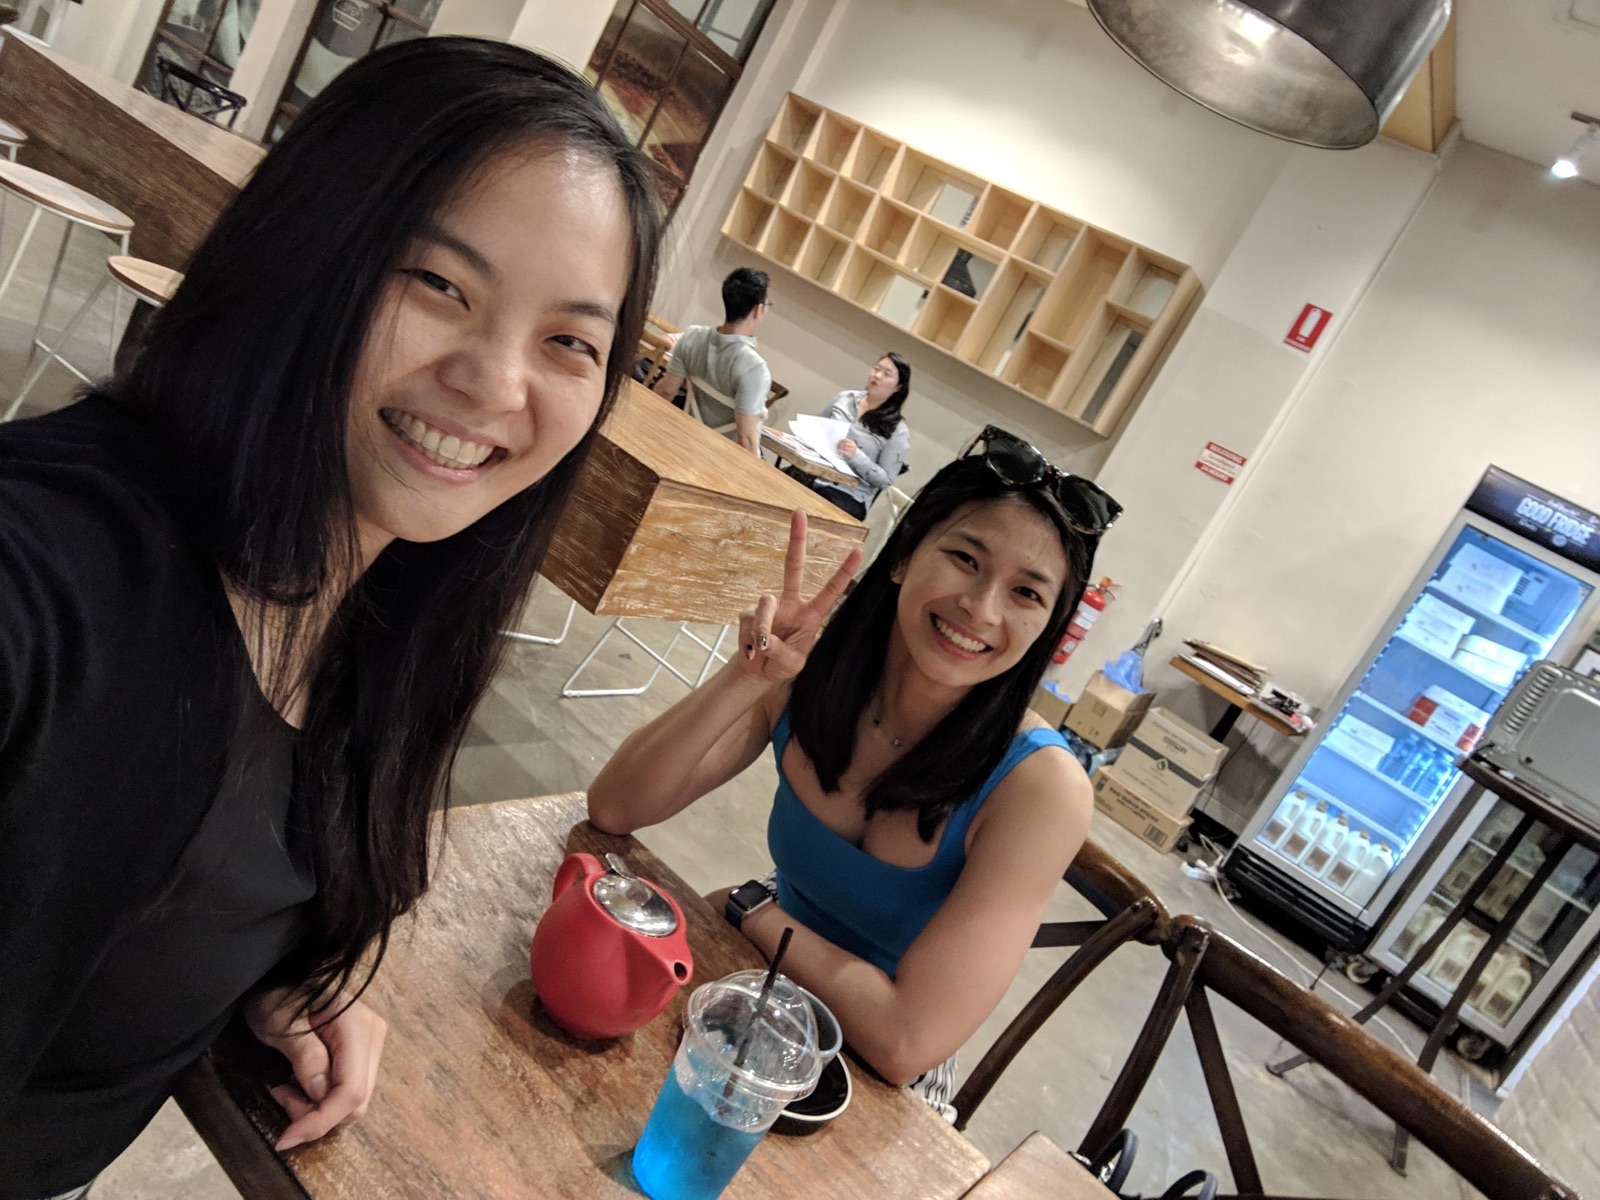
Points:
[[1204, 960]]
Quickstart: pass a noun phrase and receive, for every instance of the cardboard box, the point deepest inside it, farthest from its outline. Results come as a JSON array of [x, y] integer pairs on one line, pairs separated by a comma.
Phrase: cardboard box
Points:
[[1050, 704], [1479, 578], [1106, 713], [1496, 675], [1448, 717], [1169, 761], [1124, 805]]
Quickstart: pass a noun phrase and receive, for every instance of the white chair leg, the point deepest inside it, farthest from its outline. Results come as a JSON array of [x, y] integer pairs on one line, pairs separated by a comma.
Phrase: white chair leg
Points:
[[516, 635], [568, 692], [116, 310], [16, 255], [53, 353], [50, 290]]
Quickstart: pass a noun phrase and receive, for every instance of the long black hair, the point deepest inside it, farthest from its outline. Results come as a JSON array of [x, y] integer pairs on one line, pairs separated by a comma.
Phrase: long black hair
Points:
[[886, 416], [845, 667], [246, 376]]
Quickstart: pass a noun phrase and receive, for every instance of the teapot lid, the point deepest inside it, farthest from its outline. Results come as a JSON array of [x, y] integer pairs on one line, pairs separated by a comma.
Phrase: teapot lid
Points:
[[634, 902]]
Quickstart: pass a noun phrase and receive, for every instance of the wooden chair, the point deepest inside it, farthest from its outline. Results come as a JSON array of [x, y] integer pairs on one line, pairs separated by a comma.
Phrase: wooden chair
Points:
[[1131, 913], [1203, 960]]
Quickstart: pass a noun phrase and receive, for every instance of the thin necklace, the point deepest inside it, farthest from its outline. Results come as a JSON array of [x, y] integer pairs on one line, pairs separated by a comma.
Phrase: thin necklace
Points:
[[877, 723]]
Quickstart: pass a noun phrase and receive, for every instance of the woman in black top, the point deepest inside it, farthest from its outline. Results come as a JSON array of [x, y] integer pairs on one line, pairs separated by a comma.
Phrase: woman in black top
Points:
[[251, 589]]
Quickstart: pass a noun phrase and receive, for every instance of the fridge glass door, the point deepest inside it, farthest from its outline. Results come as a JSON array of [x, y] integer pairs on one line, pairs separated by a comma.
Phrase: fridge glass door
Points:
[[1540, 938], [1387, 759]]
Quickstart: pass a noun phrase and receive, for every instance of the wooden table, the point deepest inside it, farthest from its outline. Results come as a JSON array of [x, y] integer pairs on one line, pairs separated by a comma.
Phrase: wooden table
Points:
[[170, 171], [671, 520], [1237, 701], [772, 440], [1039, 1168], [482, 1097]]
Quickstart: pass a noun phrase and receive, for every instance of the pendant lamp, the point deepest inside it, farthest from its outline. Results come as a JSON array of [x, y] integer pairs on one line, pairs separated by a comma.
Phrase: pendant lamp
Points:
[[1324, 73]]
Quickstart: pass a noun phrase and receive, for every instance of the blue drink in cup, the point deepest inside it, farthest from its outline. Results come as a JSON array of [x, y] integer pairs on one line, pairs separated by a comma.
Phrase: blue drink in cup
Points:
[[715, 1105]]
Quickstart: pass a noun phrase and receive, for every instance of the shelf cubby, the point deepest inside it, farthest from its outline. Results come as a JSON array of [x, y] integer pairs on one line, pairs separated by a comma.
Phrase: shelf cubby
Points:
[[792, 127], [845, 207], [889, 228], [747, 220], [831, 143], [1080, 287], [1035, 365], [1058, 310], [1046, 238], [1118, 347], [870, 158], [999, 217], [770, 175], [809, 189], [822, 256], [944, 318], [1002, 317], [786, 234]]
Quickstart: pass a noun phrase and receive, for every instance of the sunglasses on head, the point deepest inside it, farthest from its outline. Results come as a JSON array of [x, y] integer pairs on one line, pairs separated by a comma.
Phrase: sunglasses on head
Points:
[[1017, 463]]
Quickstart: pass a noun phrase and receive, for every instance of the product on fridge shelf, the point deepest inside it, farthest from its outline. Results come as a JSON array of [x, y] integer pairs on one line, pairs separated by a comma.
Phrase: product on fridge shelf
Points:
[[1469, 863], [1357, 849], [1479, 578], [1449, 718], [1508, 991], [1496, 675], [1305, 832], [1356, 740], [1327, 846], [1497, 966], [1487, 648], [1449, 966], [1394, 764], [1502, 893], [1418, 930], [1436, 625], [1283, 819], [1372, 874]]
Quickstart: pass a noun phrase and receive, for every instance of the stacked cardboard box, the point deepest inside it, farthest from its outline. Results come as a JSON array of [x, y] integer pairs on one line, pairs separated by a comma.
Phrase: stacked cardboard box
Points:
[[1106, 713], [1156, 780], [1050, 704]]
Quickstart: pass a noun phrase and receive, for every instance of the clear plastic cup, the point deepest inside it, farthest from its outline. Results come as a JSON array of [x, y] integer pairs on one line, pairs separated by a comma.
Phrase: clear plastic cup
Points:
[[715, 1105]]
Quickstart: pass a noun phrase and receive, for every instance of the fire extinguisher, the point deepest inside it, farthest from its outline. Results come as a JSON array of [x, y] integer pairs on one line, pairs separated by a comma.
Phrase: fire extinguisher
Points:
[[1095, 598]]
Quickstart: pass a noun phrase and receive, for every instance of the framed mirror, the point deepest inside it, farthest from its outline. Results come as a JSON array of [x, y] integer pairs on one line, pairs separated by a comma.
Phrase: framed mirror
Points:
[[953, 204], [902, 301]]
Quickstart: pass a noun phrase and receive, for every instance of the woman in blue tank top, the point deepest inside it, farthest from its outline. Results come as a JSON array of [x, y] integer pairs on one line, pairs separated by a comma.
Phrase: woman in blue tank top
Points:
[[924, 815]]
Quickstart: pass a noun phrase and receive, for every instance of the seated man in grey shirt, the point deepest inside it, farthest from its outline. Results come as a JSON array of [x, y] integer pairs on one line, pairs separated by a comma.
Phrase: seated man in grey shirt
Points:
[[726, 357]]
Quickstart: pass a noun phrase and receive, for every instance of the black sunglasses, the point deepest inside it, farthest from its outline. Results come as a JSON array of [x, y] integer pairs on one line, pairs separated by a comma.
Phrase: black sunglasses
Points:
[[1020, 464]]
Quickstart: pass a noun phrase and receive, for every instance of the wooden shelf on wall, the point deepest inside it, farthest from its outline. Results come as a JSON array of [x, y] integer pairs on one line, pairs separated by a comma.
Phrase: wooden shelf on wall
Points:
[[1064, 313]]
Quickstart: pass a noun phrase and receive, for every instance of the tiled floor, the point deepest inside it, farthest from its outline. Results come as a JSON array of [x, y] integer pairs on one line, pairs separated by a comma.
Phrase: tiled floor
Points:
[[1313, 1136]]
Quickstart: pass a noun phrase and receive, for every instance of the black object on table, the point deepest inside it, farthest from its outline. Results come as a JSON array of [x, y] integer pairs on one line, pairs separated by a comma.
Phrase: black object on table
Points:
[[1569, 828]]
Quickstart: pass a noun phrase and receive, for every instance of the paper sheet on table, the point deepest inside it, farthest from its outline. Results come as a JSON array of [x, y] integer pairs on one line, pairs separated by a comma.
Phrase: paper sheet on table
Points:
[[823, 434], [793, 447]]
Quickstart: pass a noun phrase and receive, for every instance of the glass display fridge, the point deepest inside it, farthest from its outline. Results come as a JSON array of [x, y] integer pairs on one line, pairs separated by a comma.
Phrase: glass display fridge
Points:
[[1514, 579]]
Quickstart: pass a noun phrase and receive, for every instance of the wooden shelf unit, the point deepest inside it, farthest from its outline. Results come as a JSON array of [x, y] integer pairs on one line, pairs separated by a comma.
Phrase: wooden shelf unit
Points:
[[1062, 312]]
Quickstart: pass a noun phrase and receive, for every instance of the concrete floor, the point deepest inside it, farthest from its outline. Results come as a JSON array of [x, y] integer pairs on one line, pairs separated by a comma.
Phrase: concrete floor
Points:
[[1312, 1135]]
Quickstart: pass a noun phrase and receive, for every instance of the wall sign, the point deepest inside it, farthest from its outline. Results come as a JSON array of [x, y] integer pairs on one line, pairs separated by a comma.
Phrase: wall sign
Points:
[[1303, 334], [1220, 463], [1539, 516]]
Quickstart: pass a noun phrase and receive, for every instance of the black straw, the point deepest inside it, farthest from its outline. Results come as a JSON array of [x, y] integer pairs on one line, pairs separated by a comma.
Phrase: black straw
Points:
[[761, 1003]]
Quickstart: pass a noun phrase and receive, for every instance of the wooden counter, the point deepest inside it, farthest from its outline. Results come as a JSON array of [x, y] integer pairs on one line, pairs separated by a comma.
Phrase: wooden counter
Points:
[[170, 171], [673, 521]]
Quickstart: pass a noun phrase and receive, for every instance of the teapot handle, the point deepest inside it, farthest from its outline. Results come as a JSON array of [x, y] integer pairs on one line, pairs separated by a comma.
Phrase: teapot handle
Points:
[[576, 868]]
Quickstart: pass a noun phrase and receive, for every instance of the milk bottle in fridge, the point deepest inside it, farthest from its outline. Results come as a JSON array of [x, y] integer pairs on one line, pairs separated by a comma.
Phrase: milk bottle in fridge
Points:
[[1281, 821], [1327, 846], [1305, 832], [1357, 849]]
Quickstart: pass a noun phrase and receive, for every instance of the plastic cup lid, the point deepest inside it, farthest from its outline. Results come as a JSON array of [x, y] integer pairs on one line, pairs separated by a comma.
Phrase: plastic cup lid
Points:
[[782, 1059]]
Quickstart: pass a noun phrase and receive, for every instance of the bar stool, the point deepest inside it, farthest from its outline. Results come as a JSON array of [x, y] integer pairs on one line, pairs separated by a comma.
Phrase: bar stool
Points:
[[713, 652], [78, 207], [146, 280], [12, 139]]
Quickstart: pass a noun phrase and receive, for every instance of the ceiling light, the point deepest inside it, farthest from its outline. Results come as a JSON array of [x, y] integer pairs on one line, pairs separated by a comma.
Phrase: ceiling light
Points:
[[1568, 165], [1323, 73]]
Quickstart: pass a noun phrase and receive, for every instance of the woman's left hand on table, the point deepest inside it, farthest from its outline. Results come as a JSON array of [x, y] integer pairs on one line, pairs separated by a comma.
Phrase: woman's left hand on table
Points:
[[335, 1062]]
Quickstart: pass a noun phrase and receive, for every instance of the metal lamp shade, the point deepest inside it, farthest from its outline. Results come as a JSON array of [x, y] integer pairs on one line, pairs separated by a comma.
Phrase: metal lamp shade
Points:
[[1324, 73]]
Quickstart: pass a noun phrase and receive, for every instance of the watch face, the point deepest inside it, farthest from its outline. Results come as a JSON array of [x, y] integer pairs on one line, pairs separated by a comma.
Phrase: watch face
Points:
[[749, 895]]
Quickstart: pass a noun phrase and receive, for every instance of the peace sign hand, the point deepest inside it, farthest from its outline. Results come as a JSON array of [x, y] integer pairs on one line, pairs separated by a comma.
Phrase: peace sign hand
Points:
[[777, 634]]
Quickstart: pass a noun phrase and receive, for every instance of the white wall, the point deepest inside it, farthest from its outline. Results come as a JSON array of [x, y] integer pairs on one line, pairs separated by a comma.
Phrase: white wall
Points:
[[109, 36], [1475, 345], [564, 29]]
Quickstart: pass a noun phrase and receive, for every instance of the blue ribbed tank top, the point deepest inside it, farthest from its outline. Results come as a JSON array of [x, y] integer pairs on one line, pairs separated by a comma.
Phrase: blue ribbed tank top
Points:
[[871, 908]]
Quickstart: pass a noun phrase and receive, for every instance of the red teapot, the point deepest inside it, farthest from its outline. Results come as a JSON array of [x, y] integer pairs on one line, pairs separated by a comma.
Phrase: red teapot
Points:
[[610, 952]]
